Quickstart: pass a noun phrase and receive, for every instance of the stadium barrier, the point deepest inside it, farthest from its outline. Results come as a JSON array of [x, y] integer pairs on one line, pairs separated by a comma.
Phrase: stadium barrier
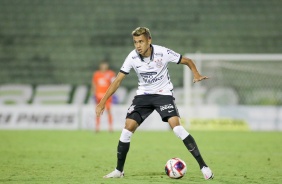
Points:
[[219, 124], [75, 117], [67, 117], [39, 117]]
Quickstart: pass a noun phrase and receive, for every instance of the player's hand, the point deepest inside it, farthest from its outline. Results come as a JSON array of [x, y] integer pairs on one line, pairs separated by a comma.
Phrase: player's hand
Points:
[[99, 109], [199, 78]]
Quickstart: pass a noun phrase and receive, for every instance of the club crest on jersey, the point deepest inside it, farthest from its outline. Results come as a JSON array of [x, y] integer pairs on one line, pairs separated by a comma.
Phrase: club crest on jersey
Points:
[[165, 107], [131, 109], [159, 63]]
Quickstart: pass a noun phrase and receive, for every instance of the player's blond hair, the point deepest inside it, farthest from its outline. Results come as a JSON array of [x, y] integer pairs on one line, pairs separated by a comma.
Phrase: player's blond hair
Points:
[[141, 31]]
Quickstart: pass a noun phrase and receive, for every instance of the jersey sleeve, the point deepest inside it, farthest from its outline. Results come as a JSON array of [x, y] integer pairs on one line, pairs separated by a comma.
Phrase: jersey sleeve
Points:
[[126, 66], [173, 56]]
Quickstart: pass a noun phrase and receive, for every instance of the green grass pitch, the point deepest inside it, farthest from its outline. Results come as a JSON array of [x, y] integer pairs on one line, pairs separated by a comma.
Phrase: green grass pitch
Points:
[[64, 157]]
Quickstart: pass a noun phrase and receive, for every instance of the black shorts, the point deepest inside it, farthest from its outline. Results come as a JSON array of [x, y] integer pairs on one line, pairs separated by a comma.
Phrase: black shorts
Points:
[[143, 105]]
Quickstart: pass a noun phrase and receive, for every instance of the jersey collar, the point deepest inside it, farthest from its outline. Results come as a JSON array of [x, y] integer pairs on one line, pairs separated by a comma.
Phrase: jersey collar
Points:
[[151, 57]]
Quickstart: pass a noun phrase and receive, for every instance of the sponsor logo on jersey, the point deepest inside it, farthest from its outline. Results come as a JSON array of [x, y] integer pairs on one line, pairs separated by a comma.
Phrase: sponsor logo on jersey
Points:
[[165, 107], [134, 57], [148, 74], [146, 93], [172, 53], [149, 77], [159, 54], [149, 67]]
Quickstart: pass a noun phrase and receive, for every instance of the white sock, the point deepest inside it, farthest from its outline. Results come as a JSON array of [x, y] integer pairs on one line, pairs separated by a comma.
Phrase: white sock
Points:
[[125, 136], [180, 132]]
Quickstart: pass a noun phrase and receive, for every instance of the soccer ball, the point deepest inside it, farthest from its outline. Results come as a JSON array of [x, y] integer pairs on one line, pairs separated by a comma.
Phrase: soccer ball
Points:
[[175, 168]]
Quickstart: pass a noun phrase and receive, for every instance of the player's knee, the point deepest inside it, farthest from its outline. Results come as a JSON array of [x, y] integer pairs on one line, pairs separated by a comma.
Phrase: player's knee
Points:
[[180, 132], [131, 125], [125, 136], [173, 121]]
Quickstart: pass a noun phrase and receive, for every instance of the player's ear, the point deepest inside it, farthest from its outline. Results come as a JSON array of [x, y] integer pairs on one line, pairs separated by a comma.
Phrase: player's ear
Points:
[[150, 40]]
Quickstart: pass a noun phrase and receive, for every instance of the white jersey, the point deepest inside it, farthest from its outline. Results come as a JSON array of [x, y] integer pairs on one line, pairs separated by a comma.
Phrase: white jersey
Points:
[[152, 72]]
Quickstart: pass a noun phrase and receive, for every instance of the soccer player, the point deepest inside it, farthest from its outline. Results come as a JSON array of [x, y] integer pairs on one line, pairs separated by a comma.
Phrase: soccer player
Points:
[[100, 83], [155, 92]]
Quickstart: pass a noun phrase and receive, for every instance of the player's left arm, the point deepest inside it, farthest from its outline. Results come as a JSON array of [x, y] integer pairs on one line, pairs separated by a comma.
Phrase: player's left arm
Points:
[[197, 76]]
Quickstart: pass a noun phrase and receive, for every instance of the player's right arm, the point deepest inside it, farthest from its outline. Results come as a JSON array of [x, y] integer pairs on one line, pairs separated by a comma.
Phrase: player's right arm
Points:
[[111, 90]]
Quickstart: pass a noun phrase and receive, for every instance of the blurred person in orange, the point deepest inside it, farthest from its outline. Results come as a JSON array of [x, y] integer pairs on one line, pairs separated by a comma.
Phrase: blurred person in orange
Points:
[[101, 81]]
